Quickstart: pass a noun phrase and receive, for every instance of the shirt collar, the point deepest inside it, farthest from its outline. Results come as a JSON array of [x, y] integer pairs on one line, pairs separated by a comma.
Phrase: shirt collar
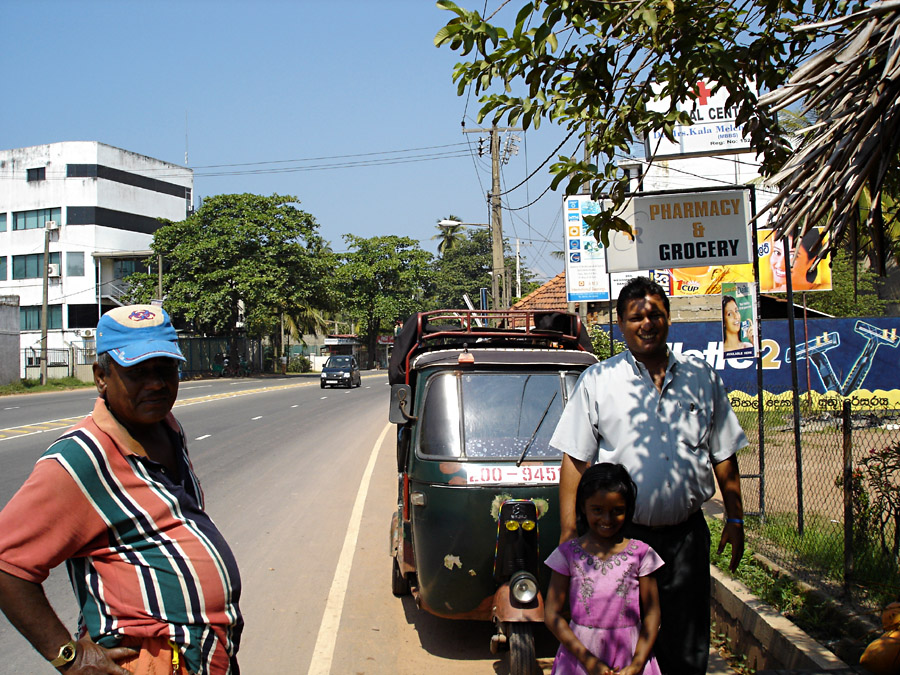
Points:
[[109, 425], [629, 357]]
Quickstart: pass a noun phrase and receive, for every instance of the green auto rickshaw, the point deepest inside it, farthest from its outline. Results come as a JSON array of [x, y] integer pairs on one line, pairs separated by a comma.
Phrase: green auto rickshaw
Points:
[[476, 396]]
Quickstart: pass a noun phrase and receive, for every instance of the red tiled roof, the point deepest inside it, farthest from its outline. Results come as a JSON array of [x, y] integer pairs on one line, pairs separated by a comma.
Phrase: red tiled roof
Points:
[[549, 297]]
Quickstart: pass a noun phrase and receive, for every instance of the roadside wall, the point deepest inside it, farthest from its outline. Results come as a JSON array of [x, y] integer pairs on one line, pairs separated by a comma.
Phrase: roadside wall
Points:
[[768, 640], [9, 339]]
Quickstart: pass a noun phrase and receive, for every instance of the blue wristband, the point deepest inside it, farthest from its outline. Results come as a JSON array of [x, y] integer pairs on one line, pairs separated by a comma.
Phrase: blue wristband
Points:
[[736, 521]]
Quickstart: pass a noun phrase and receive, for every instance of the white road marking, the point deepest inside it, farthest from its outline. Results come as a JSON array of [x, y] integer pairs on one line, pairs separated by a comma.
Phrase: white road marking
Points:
[[258, 417], [323, 654], [15, 407], [296, 405], [204, 436]]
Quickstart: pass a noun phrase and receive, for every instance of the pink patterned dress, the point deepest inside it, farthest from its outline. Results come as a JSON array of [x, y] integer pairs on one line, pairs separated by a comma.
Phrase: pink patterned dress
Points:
[[605, 603]]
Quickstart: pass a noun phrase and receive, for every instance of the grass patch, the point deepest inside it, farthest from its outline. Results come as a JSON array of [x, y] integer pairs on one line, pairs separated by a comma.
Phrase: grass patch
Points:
[[35, 386], [821, 550], [815, 614]]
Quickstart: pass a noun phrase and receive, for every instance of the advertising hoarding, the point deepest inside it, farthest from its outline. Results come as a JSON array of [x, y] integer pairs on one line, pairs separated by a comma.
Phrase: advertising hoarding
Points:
[[772, 277], [713, 130], [688, 229]]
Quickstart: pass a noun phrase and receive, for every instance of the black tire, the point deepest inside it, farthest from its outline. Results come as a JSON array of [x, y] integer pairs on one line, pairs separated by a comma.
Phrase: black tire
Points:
[[399, 583], [321, 385], [520, 637]]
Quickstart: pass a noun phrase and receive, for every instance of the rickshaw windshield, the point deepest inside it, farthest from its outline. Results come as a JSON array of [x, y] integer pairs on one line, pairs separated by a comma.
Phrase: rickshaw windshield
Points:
[[493, 415]]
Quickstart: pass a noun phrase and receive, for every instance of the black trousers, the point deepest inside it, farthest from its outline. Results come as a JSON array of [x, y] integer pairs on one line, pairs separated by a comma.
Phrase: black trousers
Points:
[[682, 647]]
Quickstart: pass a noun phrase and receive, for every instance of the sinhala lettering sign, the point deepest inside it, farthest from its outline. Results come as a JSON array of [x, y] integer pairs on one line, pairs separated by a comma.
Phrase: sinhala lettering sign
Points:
[[856, 359]]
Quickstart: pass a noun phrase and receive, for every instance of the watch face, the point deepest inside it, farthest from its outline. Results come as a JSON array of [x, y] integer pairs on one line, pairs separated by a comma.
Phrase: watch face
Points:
[[67, 652]]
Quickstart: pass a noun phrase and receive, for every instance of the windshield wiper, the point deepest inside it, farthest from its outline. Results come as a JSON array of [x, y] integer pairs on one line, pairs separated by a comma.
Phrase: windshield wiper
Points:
[[536, 429]]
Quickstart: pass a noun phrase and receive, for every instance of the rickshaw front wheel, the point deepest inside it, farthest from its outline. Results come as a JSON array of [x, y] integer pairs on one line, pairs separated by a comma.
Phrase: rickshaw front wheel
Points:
[[399, 583], [520, 637]]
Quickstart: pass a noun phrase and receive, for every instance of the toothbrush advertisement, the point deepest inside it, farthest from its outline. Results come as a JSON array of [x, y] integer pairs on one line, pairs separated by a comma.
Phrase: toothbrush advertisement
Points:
[[837, 359]]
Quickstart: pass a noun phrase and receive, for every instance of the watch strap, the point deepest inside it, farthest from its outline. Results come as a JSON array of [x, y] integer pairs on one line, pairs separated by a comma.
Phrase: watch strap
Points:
[[66, 654]]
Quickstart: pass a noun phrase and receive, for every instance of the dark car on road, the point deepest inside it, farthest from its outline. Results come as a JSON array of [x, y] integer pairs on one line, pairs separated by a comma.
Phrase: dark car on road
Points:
[[341, 371]]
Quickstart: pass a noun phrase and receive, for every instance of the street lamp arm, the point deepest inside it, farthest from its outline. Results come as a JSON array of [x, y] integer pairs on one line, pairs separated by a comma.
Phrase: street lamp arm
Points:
[[453, 223]]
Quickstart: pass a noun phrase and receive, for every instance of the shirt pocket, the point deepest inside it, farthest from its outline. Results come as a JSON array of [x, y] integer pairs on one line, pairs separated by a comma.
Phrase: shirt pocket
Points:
[[694, 424]]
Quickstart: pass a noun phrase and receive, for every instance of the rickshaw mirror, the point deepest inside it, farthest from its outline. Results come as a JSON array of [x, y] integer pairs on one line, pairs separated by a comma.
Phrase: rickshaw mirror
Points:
[[401, 404]]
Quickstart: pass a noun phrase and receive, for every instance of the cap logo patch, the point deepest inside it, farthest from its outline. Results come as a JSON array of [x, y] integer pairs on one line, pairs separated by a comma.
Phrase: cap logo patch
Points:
[[142, 315]]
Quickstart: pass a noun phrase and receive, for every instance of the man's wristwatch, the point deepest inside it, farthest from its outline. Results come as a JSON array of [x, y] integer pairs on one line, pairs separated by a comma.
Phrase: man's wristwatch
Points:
[[66, 655]]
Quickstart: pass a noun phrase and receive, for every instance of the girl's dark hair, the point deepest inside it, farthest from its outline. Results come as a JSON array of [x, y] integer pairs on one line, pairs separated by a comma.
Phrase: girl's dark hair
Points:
[[604, 477]]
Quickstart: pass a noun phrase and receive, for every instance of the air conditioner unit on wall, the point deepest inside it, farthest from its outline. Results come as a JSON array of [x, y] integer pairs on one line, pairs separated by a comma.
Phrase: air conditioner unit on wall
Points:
[[53, 270], [51, 224]]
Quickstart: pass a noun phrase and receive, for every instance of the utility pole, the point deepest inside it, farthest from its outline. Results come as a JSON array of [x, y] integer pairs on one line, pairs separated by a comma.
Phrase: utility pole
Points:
[[497, 262]]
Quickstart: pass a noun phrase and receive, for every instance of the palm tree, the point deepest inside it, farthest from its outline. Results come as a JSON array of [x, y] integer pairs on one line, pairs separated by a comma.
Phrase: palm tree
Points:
[[449, 235]]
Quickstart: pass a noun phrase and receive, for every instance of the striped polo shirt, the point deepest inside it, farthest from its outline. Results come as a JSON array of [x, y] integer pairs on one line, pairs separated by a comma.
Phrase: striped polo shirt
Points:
[[144, 558]]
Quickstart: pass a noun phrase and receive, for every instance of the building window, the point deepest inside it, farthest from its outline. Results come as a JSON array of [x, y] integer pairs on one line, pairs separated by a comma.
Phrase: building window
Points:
[[30, 317], [36, 174], [75, 264], [2, 222], [125, 268], [31, 266], [3, 268], [83, 316], [34, 220]]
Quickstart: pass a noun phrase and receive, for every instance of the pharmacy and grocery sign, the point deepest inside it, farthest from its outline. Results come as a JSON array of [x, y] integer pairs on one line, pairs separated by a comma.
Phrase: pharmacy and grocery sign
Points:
[[689, 229]]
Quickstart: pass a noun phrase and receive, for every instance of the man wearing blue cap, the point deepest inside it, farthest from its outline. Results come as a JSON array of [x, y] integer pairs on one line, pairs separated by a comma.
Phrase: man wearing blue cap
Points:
[[116, 499]]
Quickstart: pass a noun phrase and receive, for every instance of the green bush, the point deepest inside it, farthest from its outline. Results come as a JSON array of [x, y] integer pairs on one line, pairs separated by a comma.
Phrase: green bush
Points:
[[299, 364]]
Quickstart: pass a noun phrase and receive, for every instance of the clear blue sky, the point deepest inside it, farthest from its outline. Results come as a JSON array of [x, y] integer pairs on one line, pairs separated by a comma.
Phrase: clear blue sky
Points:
[[293, 94]]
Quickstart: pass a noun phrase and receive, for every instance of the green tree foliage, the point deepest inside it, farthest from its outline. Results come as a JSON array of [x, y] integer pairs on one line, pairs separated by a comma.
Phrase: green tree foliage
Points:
[[590, 66], [465, 269], [241, 250], [842, 301], [449, 235], [381, 280], [602, 343]]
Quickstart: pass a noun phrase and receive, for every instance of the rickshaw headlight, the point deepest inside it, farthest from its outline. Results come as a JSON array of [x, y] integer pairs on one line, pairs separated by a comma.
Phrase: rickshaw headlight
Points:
[[524, 587], [528, 525], [512, 525]]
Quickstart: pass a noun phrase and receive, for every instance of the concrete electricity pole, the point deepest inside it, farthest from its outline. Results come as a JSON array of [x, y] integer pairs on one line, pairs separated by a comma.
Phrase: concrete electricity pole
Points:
[[497, 262]]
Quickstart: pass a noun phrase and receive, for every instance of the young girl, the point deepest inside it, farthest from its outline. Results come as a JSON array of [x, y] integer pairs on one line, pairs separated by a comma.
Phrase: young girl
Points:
[[604, 578]]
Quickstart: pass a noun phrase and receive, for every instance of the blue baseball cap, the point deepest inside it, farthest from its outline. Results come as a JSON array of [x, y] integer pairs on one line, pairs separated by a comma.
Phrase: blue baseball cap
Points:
[[136, 333]]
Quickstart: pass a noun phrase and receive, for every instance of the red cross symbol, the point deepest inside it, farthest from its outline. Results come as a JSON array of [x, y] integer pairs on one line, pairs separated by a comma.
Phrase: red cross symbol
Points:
[[703, 93]]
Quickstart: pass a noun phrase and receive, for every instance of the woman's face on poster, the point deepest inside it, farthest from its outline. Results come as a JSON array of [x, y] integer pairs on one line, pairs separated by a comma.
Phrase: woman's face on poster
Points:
[[776, 263], [732, 318]]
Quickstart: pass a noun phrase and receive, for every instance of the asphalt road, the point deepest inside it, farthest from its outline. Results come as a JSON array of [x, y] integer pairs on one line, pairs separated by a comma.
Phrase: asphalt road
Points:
[[282, 464]]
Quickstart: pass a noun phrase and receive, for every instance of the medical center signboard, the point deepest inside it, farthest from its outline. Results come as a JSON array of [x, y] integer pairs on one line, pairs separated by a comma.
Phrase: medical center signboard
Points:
[[690, 229]]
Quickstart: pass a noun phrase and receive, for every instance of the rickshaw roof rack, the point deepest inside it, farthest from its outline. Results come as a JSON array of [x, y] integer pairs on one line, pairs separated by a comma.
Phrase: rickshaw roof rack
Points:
[[480, 329]]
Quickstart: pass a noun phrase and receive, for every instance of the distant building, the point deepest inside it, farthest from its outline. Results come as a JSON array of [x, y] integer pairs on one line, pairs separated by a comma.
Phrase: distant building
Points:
[[101, 205]]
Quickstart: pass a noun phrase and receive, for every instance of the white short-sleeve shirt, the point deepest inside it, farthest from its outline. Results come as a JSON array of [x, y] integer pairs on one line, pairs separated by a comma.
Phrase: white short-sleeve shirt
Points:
[[668, 440]]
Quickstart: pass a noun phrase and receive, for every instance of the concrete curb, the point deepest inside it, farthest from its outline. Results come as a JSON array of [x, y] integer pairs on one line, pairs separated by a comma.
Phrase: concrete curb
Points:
[[768, 639]]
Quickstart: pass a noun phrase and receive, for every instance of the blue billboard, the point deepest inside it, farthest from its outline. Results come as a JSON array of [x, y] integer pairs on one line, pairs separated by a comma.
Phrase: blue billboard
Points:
[[836, 358]]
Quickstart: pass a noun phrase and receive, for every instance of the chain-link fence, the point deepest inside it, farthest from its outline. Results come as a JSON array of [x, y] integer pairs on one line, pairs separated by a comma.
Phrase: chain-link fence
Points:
[[824, 502]]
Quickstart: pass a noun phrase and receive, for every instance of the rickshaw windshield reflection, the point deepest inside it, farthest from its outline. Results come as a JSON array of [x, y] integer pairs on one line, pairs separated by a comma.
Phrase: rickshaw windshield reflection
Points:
[[492, 415]]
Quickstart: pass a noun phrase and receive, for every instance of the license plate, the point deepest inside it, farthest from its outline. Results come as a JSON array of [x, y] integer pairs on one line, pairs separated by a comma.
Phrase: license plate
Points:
[[505, 474]]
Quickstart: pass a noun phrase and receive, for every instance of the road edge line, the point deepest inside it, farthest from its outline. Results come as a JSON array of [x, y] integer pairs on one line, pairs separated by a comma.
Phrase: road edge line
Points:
[[323, 653]]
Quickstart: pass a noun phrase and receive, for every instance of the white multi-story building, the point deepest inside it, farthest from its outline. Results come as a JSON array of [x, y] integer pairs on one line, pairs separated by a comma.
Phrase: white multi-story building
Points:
[[98, 206]]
